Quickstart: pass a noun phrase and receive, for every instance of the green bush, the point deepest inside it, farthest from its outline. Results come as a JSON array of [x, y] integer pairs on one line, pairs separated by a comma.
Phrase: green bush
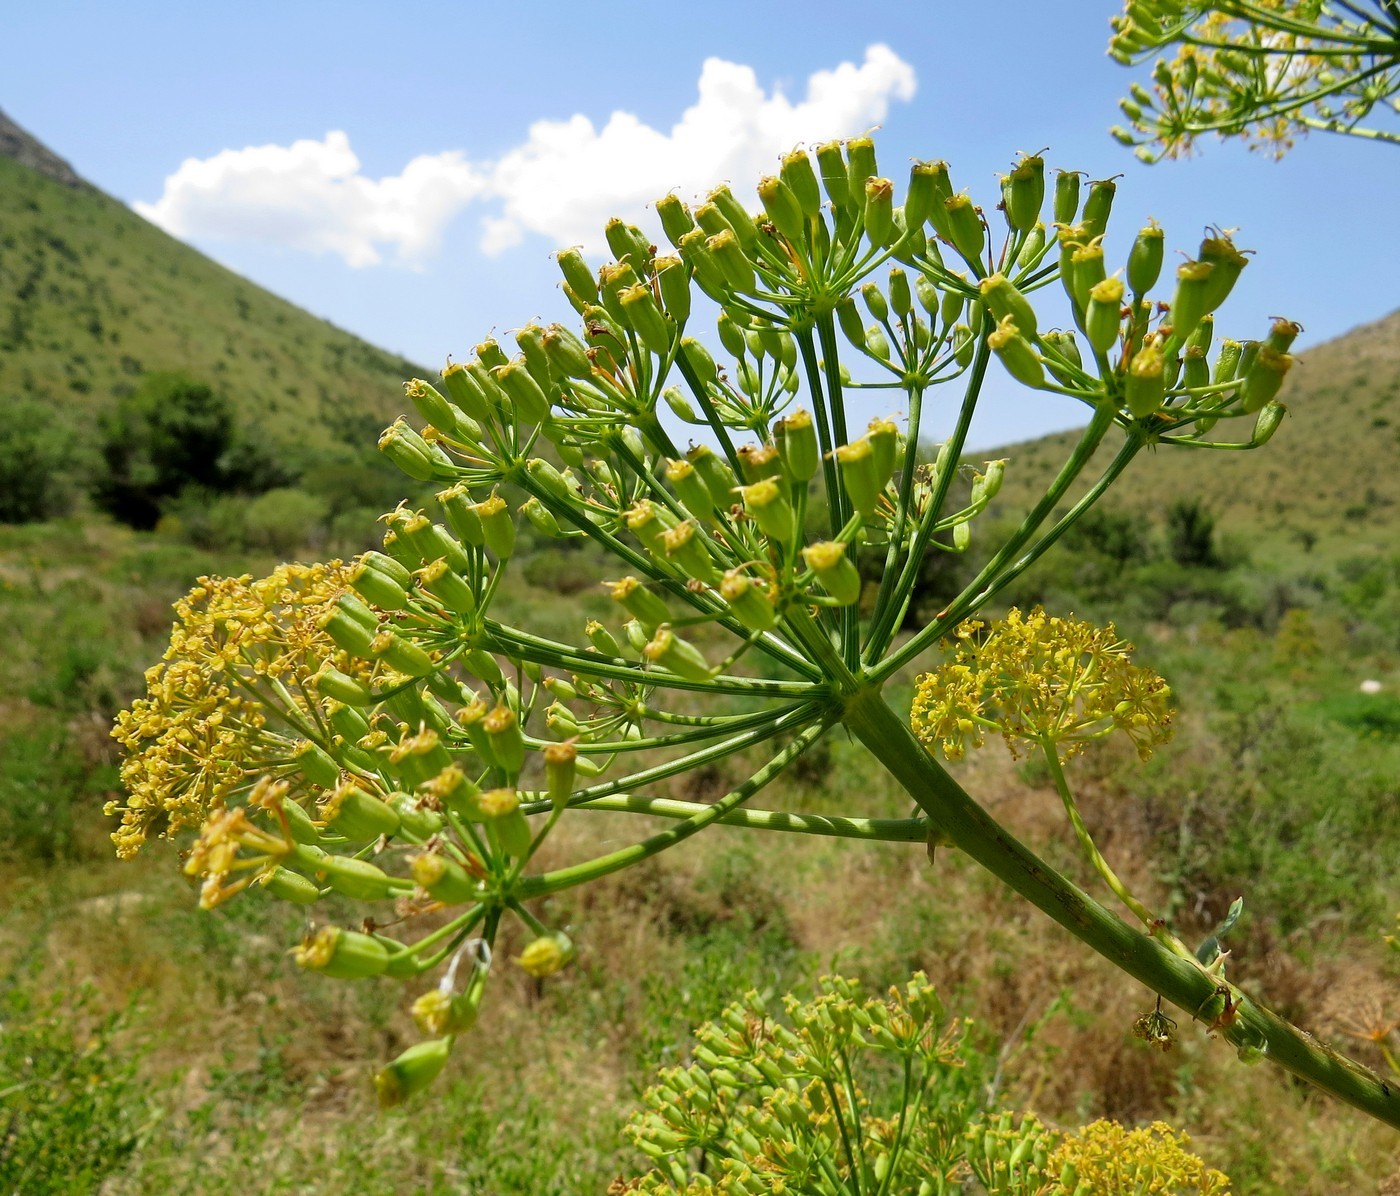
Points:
[[285, 520], [34, 458]]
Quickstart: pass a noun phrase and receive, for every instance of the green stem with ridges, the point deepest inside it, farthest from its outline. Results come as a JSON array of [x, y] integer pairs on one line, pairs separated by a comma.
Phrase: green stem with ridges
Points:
[[1183, 982]]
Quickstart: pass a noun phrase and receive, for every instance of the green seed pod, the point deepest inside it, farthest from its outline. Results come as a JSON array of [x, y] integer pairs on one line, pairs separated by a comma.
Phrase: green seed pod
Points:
[[342, 954], [429, 403], [1145, 259], [507, 743], [577, 275], [796, 171], [796, 440], [613, 279], [1025, 193], [709, 217], [680, 405], [694, 495], [750, 601], [431, 540], [784, 210], [1270, 416], [567, 354], [601, 638], [1144, 386], [1022, 362], [348, 634], [884, 438], [443, 879], [546, 955], [646, 319], [767, 505], [1066, 205], [1086, 272], [1189, 303], [448, 587], [834, 178], [1005, 300], [286, 885], [1220, 252], [740, 220], [1263, 378], [879, 211], [714, 471], [673, 281], [490, 354], [417, 822], [856, 463], [647, 521], [530, 400], [376, 587], [860, 159], [962, 536], [530, 339], [698, 358], [1195, 371], [1200, 339], [986, 485], [731, 336], [359, 816], [636, 635], [875, 302], [834, 569], [849, 319], [353, 878], [315, 765], [679, 656], [465, 391], [461, 515], [401, 654], [1282, 334], [1103, 319], [398, 445], [497, 528], [1033, 249], [964, 342], [560, 768], [877, 343], [541, 518], [965, 228], [332, 683], [757, 462], [639, 602], [675, 217], [923, 193], [1098, 206], [685, 549], [729, 255], [936, 178], [411, 1072], [1227, 364], [928, 295], [1064, 344], [695, 252], [629, 244]]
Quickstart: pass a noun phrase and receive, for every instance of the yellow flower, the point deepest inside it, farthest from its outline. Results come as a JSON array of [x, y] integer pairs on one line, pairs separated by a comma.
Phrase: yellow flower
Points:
[[1039, 678], [208, 726]]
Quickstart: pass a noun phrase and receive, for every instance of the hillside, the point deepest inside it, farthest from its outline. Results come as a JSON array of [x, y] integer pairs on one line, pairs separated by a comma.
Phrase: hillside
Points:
[[1328, 482], [92, 297]]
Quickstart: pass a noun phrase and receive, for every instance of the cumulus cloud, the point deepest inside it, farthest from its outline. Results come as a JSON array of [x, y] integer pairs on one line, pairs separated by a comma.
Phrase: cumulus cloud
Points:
[[562, 182], [311, 195]]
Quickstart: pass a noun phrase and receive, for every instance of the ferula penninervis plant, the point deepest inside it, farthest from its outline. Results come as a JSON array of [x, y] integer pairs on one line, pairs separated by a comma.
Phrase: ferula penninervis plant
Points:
[[385, 730]]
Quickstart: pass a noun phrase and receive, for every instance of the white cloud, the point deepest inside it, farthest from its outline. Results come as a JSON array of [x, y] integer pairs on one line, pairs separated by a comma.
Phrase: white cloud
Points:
[[311, 195], [563, 182]]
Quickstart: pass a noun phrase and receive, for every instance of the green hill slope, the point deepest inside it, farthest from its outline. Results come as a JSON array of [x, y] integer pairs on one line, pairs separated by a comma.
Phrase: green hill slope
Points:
[[92, 297], [1329, 480]]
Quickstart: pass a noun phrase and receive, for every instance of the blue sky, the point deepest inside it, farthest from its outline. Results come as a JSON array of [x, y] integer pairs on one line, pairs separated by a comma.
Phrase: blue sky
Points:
[[385, 166]]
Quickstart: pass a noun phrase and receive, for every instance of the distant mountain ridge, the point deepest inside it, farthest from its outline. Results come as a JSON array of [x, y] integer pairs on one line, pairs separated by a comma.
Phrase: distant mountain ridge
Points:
[[93, 297], [26, 149]]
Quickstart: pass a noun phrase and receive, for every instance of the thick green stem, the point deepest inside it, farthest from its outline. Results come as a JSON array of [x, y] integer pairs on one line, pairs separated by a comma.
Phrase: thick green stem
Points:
[[1181, 981]]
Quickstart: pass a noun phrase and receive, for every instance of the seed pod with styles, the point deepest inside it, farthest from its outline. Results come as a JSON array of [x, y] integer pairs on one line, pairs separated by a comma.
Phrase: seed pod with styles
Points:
[[767, 505], [796, 171], [1145, 259], [1189, 303], [1025, 193], [795, 437], [748, 600], [1005, 301], [860, 157], [1097, 207], [1144, 387], [856, 462], [783, 208], [1021, 360], [965, 228], [829, 561], [1263, 378], [675, 217], [1066, 204], [577, 275], [1103, 318], [835, 180], [1228, 262], [681, 657], [879, 211]]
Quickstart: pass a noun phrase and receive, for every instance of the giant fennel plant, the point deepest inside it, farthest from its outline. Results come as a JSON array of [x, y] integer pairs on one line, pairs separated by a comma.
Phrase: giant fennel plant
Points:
[[386, 731]]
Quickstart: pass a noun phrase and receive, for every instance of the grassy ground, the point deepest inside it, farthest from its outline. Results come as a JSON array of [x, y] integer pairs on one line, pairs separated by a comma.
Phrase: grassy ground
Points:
[[149, 1047]]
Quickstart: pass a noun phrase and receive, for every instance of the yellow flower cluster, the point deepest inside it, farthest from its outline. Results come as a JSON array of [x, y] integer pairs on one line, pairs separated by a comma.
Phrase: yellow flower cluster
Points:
[[1107, 1160], [239, 652], [1041, 679]]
